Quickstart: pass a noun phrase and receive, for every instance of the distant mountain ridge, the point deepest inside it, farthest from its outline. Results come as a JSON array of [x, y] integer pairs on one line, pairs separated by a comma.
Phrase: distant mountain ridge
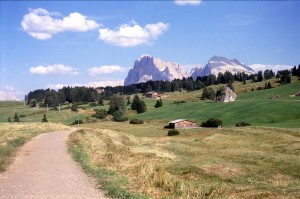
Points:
[[149, 68], [218, 65], [8, 96]]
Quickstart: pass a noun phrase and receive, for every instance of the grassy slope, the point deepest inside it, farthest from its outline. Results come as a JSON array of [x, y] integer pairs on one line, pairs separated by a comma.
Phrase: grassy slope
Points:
[[252, 162], [14, 135], [8, 109], [255, 107]]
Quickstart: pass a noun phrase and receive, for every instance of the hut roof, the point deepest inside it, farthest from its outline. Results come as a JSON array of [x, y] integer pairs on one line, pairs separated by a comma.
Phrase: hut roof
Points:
[[179, 120]]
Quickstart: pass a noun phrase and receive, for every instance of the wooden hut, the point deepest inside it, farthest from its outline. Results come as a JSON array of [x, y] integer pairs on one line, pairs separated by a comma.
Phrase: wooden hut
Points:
[[182, 124], [151, 94]]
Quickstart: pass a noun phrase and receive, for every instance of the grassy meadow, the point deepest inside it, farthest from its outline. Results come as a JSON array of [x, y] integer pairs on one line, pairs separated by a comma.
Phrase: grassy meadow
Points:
[[13, 136], [140, 161], [255, 107]]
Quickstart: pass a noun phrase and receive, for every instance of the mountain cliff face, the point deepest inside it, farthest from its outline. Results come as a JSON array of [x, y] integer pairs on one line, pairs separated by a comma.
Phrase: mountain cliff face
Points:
[[221, 64], [149, 68]]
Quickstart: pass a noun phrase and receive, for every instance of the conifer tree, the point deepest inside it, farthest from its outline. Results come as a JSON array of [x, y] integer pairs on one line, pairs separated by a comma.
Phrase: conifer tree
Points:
[[141, 108], [16, 118], [44, 118], [158, 103], [135, 102]]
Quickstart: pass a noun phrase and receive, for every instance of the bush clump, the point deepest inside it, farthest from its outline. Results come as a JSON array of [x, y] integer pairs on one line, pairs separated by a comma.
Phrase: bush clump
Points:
[[173, 132], [240, 124], [77, 122], [92, 104], [212, 122], [136, 121], [122, 119]]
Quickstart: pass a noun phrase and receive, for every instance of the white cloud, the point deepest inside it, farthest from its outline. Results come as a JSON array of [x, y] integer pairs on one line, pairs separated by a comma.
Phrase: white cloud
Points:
[[7, 88], [187, 2], [42, 24], [274, 68], [105, 70], [53, 69], [88, 84], [128, 35]]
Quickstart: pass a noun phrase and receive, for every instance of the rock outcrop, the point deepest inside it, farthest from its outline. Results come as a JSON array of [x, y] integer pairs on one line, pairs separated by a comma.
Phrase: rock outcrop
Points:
[[229, 95]]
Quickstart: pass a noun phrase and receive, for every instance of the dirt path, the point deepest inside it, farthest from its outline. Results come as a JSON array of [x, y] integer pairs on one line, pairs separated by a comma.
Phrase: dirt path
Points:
[[44, 169]]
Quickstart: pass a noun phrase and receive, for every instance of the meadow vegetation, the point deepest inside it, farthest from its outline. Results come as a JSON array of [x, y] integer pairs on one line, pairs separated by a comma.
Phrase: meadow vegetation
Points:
[[141, 161]]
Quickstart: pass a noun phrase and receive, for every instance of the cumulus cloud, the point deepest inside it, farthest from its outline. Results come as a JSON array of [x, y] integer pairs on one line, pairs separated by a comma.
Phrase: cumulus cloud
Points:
[[105, 70], [129, 35], [187, 2], [53, 69], [42, 24], [88, 84], [274, 68]]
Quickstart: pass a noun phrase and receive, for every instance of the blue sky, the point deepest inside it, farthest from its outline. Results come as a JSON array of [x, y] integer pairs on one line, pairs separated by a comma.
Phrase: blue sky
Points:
[[53, 43]]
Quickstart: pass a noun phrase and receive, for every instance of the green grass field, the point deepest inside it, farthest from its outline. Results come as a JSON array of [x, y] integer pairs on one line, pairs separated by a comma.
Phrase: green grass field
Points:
[[254, 107]]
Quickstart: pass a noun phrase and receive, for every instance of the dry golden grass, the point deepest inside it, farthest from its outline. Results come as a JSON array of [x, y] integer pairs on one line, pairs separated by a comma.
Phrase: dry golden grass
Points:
[[247, 162]]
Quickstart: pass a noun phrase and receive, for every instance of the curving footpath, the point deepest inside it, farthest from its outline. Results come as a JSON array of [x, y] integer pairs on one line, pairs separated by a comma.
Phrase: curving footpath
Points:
[[44, 169]]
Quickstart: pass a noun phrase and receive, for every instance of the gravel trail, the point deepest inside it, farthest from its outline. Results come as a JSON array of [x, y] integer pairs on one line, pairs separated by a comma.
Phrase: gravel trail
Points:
[[44, 169]]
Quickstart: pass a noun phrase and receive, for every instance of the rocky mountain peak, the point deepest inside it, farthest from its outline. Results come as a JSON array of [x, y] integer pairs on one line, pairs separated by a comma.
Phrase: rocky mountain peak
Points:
[[148, 68]]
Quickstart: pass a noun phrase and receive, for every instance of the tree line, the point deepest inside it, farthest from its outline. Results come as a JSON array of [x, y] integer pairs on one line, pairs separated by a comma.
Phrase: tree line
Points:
[[52, 98]]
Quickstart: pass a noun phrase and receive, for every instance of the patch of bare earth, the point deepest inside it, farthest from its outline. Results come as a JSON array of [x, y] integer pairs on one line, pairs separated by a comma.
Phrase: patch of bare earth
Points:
[[44, 169]]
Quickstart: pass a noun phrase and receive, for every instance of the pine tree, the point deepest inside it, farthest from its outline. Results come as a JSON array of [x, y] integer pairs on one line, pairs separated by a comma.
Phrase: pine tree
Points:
[[135, 102], [16, 118], [294, 71], [141, 107], [259, 76], [158, 103], [100, 102], [44, 118], [9, 120]]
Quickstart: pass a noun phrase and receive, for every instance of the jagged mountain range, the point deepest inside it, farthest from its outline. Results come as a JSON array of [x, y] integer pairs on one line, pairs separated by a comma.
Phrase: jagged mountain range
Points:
[[149, 68]]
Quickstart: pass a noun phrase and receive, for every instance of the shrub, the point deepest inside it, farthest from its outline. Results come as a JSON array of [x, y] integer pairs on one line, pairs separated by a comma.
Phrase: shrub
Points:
[[101, 114], [122, 119], [173, 132], [212, 122], [136, 121], [92, 104], [16, 118], [77, 122], [74, 107], [44, 119], [240, 124]]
